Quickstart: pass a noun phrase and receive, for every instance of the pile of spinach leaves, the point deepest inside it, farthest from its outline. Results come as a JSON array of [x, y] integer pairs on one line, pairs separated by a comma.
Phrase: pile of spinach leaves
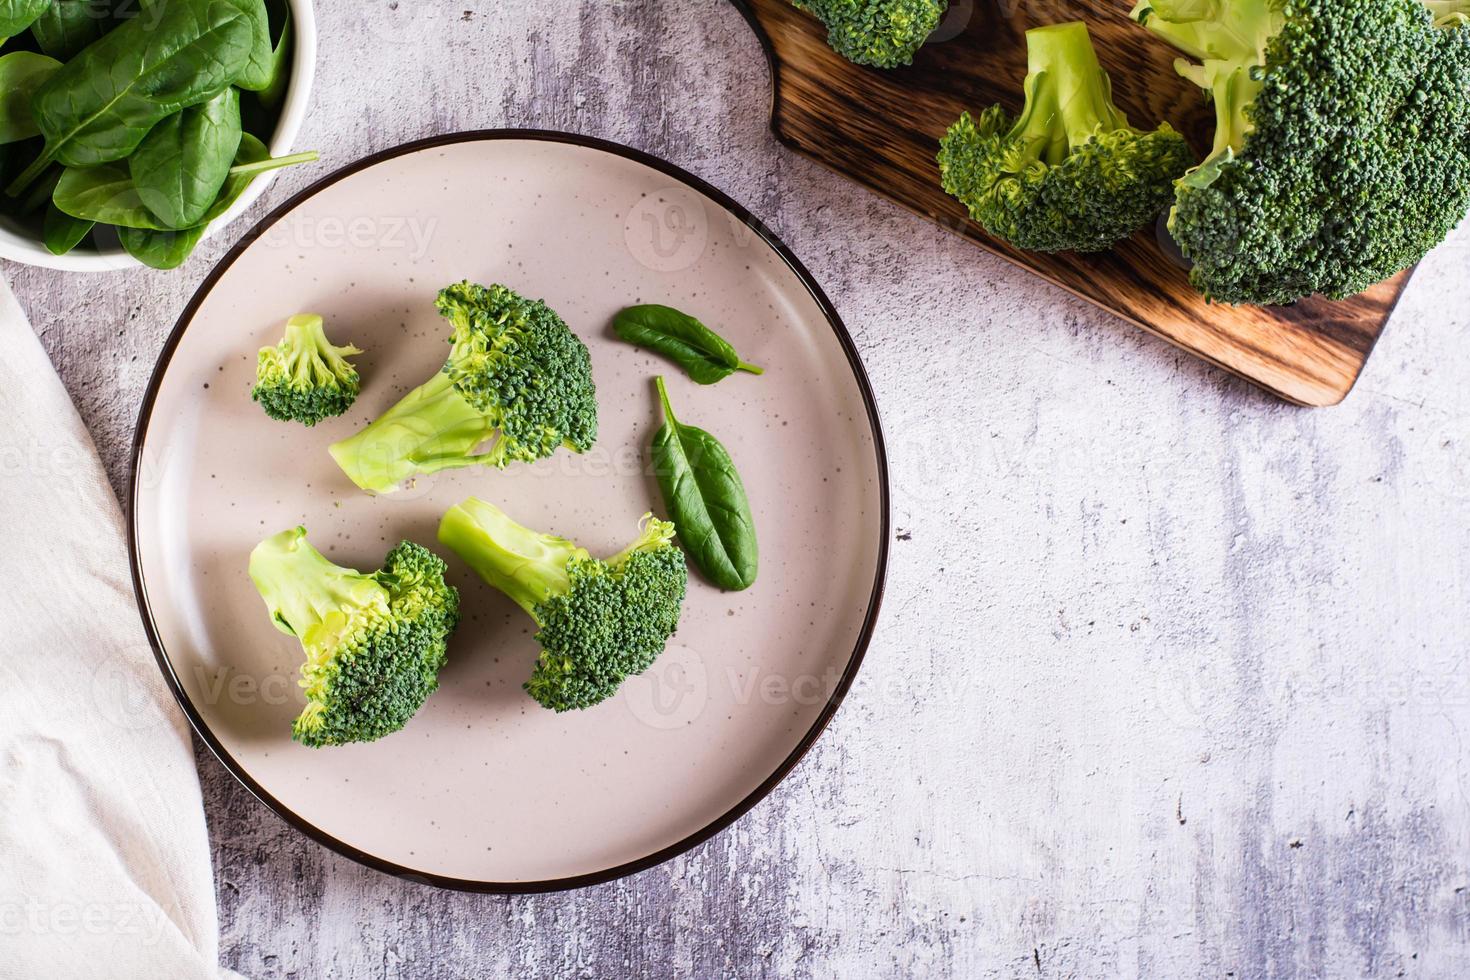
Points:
[[143, 119]]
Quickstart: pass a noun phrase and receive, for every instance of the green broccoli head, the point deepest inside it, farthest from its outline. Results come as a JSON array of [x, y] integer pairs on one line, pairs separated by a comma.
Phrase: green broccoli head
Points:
[[1070, 174], [601, 621], [517, 384], [1342, 145], [374, 643], [879, 33], [305, 378]]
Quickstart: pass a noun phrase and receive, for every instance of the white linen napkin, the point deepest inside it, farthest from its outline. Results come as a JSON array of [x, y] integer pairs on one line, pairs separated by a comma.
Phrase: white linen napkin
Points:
[[104, 859]]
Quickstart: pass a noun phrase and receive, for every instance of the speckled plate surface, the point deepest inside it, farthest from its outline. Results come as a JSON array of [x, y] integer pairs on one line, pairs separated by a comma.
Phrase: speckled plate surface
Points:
[[484, 789]]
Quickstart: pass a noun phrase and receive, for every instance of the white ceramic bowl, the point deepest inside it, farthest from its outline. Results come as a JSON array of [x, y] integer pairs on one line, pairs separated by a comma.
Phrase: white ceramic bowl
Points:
[[22, 248]]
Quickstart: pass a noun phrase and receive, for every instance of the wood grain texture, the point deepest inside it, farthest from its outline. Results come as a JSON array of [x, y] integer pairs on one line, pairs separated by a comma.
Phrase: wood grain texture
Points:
[[882, 129]]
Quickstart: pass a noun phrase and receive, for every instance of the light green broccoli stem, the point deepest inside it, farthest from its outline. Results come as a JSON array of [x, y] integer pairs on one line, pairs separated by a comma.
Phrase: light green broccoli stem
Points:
[[1233, 89], [1229, 40], [305, 338], [312, 599], [1069, 98], [526, 565], [432, 428], [652, 535], [1237, 31], [1449, 13]]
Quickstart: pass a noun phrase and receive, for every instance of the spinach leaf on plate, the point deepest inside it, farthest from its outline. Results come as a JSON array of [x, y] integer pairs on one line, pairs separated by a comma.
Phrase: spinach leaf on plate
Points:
[[706, 500], [703, 354], [21, 73], [102, 103], [182, 163]]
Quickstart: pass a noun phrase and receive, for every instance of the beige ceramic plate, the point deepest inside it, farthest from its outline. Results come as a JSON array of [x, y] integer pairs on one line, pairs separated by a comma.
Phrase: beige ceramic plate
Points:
[[484, 789]]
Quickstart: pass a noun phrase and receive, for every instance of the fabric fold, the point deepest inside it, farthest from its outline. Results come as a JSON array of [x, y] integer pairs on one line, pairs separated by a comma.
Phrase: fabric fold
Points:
[[104, 856]]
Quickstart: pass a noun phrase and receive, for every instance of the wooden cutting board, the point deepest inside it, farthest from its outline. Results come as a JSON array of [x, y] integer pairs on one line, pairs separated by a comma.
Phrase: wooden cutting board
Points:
[[882, 129]]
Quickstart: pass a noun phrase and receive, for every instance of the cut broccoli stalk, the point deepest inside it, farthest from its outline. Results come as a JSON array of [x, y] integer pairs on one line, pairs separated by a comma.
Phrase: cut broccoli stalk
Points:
[[1069, 97], [526, 565], [374, 643], [305, 378], [1070, 174], [600, 621], [517, 385], [430, 429], [1342, 144]]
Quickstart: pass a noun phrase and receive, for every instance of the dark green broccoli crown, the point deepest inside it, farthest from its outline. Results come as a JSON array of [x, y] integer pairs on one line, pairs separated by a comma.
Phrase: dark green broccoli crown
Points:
[[414, 578], [1343, 150], [1070, 174], [611, 625], [374, 643], [516, 361], [305, 378], [880, 33], [379, 676]]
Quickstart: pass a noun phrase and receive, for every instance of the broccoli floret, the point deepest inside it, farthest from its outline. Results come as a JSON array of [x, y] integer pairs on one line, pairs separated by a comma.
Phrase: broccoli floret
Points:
[[880, 33], [1070, 174], [374, 643], [1342, 147], [601, 621], [516, 378], [305, 378]]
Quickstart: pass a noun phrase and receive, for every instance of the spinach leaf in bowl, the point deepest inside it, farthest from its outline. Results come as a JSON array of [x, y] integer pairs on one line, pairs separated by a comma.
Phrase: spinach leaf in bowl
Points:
[[275, 87], [21, 73], [61, 232], [17, 15], [260, 65], [104, 193], [103, 102], [160, 249], [68, 26], [107, 194], [182, 163]]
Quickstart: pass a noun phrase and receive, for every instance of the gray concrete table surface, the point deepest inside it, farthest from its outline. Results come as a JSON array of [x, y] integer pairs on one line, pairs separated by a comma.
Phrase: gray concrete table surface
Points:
[[1171, 678]]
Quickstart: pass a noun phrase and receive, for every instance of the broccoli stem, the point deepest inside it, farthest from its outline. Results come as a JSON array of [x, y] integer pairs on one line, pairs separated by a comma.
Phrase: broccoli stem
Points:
[[1233, 90], [652, 535], [304, 335], [1215, 30], [526, 565], [1449, 13], [306, 592], [1229, 40], [1069, 98], [432, 428]]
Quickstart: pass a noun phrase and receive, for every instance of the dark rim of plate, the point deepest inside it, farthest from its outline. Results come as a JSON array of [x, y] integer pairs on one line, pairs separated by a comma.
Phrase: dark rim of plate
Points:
[[665, 853]]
